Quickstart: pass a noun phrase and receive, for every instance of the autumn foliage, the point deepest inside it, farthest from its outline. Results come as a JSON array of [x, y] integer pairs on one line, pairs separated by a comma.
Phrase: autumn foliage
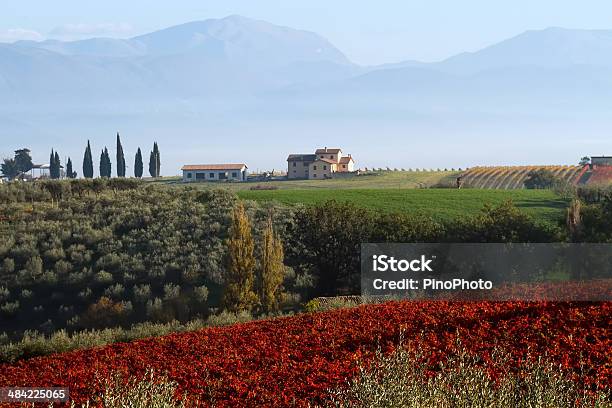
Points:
[[296, 361]]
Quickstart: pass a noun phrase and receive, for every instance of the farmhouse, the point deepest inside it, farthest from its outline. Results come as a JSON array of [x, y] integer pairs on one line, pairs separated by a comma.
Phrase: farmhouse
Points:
[[214, 172], [601, 160], [320, 165]]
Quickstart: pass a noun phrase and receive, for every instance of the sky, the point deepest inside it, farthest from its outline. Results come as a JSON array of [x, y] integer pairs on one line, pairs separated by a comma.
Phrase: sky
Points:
[[367, 32]]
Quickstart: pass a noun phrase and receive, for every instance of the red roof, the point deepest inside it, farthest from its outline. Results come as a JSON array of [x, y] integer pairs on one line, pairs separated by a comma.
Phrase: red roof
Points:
[[346, 160], [230, 166], [326, 150]]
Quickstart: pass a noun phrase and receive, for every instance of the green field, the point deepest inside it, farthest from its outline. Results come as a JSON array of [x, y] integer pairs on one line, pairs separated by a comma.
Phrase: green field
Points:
[[385, 179], [438, 203]]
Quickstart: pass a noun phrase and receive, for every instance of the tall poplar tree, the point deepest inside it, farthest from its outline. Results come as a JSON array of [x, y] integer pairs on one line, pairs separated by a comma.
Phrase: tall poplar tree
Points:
[[120, 158], [239, 291], [138, 165], [88, 169], [272, 272]]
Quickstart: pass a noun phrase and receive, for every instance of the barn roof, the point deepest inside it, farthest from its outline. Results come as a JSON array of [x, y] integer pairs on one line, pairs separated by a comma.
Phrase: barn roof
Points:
[[227, 166], [301, 157]]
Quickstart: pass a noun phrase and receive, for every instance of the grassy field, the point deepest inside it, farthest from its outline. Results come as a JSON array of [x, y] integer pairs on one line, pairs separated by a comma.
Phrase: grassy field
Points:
[[438, 203], [390, 179], [395, 191]]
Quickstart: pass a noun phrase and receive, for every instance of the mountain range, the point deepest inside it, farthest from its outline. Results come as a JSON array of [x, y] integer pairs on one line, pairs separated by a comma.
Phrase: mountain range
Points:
[[219, 75]]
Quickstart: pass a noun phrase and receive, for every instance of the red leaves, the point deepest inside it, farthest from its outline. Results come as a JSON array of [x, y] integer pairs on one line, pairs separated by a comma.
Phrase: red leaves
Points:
[[295, 361]]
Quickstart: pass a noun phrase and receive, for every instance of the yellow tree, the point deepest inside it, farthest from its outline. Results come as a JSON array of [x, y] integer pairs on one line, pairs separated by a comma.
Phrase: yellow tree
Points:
[[240, 271], [272, 271]]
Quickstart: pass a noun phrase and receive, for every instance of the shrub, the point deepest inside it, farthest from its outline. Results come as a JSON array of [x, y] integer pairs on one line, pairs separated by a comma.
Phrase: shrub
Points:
[[540, 179], [403, 379], [151, 391], [141, 293], [9, 308]]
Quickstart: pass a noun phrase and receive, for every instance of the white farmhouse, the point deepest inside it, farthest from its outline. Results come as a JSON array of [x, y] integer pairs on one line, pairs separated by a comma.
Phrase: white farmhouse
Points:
[[214, 172]]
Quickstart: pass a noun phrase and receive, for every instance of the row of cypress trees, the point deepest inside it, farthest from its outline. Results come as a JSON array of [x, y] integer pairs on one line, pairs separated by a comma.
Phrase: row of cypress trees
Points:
[[55, 166], [106, 165]]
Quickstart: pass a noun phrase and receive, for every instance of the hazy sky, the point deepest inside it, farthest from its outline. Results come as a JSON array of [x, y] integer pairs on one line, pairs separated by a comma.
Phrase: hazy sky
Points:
[[369, 32]]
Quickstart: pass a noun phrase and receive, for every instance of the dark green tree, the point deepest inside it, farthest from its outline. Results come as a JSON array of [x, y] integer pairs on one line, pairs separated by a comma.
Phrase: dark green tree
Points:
[[54, 165], [69, 172], [586, 160], [105, 164], [120, 158], [58, 166], [9, 169], [157, 159], [88, 171], [540, 179], [154, 161], [23, 160], [152, 165], [138, 165]]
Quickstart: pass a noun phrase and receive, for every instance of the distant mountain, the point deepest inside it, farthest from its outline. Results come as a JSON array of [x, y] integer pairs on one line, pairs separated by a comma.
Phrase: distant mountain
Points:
[[233, 54], [256, 84], [549, 48]]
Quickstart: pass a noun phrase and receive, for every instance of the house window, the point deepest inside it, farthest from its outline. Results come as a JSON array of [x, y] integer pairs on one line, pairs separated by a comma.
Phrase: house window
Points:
[[200, 176], [331, 157], [211, 175], [324, 167], [294, 171], [314, 167], [189, 175], [305, 164], [322, 156], [314, 175], [344, 166], [234, 174], [294, 164]]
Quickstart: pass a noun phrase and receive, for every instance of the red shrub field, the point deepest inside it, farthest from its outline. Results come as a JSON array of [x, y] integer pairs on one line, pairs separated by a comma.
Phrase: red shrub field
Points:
[[295, 361]]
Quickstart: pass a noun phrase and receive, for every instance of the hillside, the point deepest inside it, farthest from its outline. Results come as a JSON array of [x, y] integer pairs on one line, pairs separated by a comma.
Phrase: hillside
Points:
[[513, 177]]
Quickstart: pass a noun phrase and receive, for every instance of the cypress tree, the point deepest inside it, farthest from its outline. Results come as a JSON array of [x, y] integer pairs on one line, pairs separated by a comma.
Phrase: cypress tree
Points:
[[240, 280], [157, 159], [88, 162], [138, 165], [69, 172], [58, 166], [152, 165], [102, 164], [52, 165], [105, 164], [120, 158]]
